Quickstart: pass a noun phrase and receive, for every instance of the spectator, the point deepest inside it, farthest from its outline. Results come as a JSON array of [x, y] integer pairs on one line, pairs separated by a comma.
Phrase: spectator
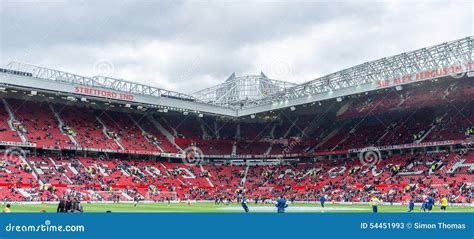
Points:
[[7, 208], [62, 205], [77, 206]]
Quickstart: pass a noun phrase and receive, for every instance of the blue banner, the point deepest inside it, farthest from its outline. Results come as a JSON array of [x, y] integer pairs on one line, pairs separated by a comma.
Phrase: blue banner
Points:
[[237, 225]]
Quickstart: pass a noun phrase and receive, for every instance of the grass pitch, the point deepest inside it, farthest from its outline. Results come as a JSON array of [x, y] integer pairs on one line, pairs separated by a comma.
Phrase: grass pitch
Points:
[[231, 208]]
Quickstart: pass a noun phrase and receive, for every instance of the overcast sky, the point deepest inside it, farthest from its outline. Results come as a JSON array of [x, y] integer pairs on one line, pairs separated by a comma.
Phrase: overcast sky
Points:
[[188, 46]]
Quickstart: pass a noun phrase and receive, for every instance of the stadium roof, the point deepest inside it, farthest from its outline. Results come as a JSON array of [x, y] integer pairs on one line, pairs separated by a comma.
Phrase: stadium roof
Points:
[[247, 95], [236, 92]]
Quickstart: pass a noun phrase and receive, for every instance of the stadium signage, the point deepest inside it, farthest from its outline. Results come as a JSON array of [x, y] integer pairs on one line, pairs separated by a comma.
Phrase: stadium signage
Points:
[[103, 93], [425, 75], [141, 152], [17, 144], [405, 146]]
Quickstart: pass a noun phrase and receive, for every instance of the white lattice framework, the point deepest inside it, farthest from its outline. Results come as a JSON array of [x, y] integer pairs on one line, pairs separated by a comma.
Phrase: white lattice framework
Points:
[[442, 55], [97, 81], [240, 91]]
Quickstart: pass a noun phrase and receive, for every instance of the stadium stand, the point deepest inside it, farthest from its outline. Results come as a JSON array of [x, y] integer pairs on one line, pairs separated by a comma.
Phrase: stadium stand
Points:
[[396, 178], [104, 153]]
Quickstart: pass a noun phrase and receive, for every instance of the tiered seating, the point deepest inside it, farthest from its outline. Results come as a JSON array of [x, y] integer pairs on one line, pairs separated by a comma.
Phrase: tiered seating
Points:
[[108, 172], [161, 140], [191, 176], [14, 171], [455, 123], [252, 148], [187, 127], [412, 96], [291, 147], [48, 172], [254, 131], [417, 113], [388, 117], [221, 148], [6, 133], [14, 174], [396, 128], [330, 144], [226, 176], [208, 147], [39, 121], [127, 131], [227, 129], [11, 194], [396, 178], [88, 131]]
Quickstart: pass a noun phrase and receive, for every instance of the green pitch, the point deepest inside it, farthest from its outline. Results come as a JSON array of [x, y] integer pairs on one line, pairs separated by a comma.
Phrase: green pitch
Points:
[[212, 208]]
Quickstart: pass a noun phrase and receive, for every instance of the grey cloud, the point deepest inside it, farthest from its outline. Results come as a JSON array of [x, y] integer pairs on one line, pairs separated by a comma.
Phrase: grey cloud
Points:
[[232, 23]]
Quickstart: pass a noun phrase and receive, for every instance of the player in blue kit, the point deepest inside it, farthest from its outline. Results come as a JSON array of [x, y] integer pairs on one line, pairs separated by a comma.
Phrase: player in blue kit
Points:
[[281, 205], [322, 200], [244, 204], [411, 205], [429, 203]]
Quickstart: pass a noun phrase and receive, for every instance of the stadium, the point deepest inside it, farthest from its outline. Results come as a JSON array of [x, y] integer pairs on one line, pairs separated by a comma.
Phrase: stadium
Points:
[[398, 128]]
